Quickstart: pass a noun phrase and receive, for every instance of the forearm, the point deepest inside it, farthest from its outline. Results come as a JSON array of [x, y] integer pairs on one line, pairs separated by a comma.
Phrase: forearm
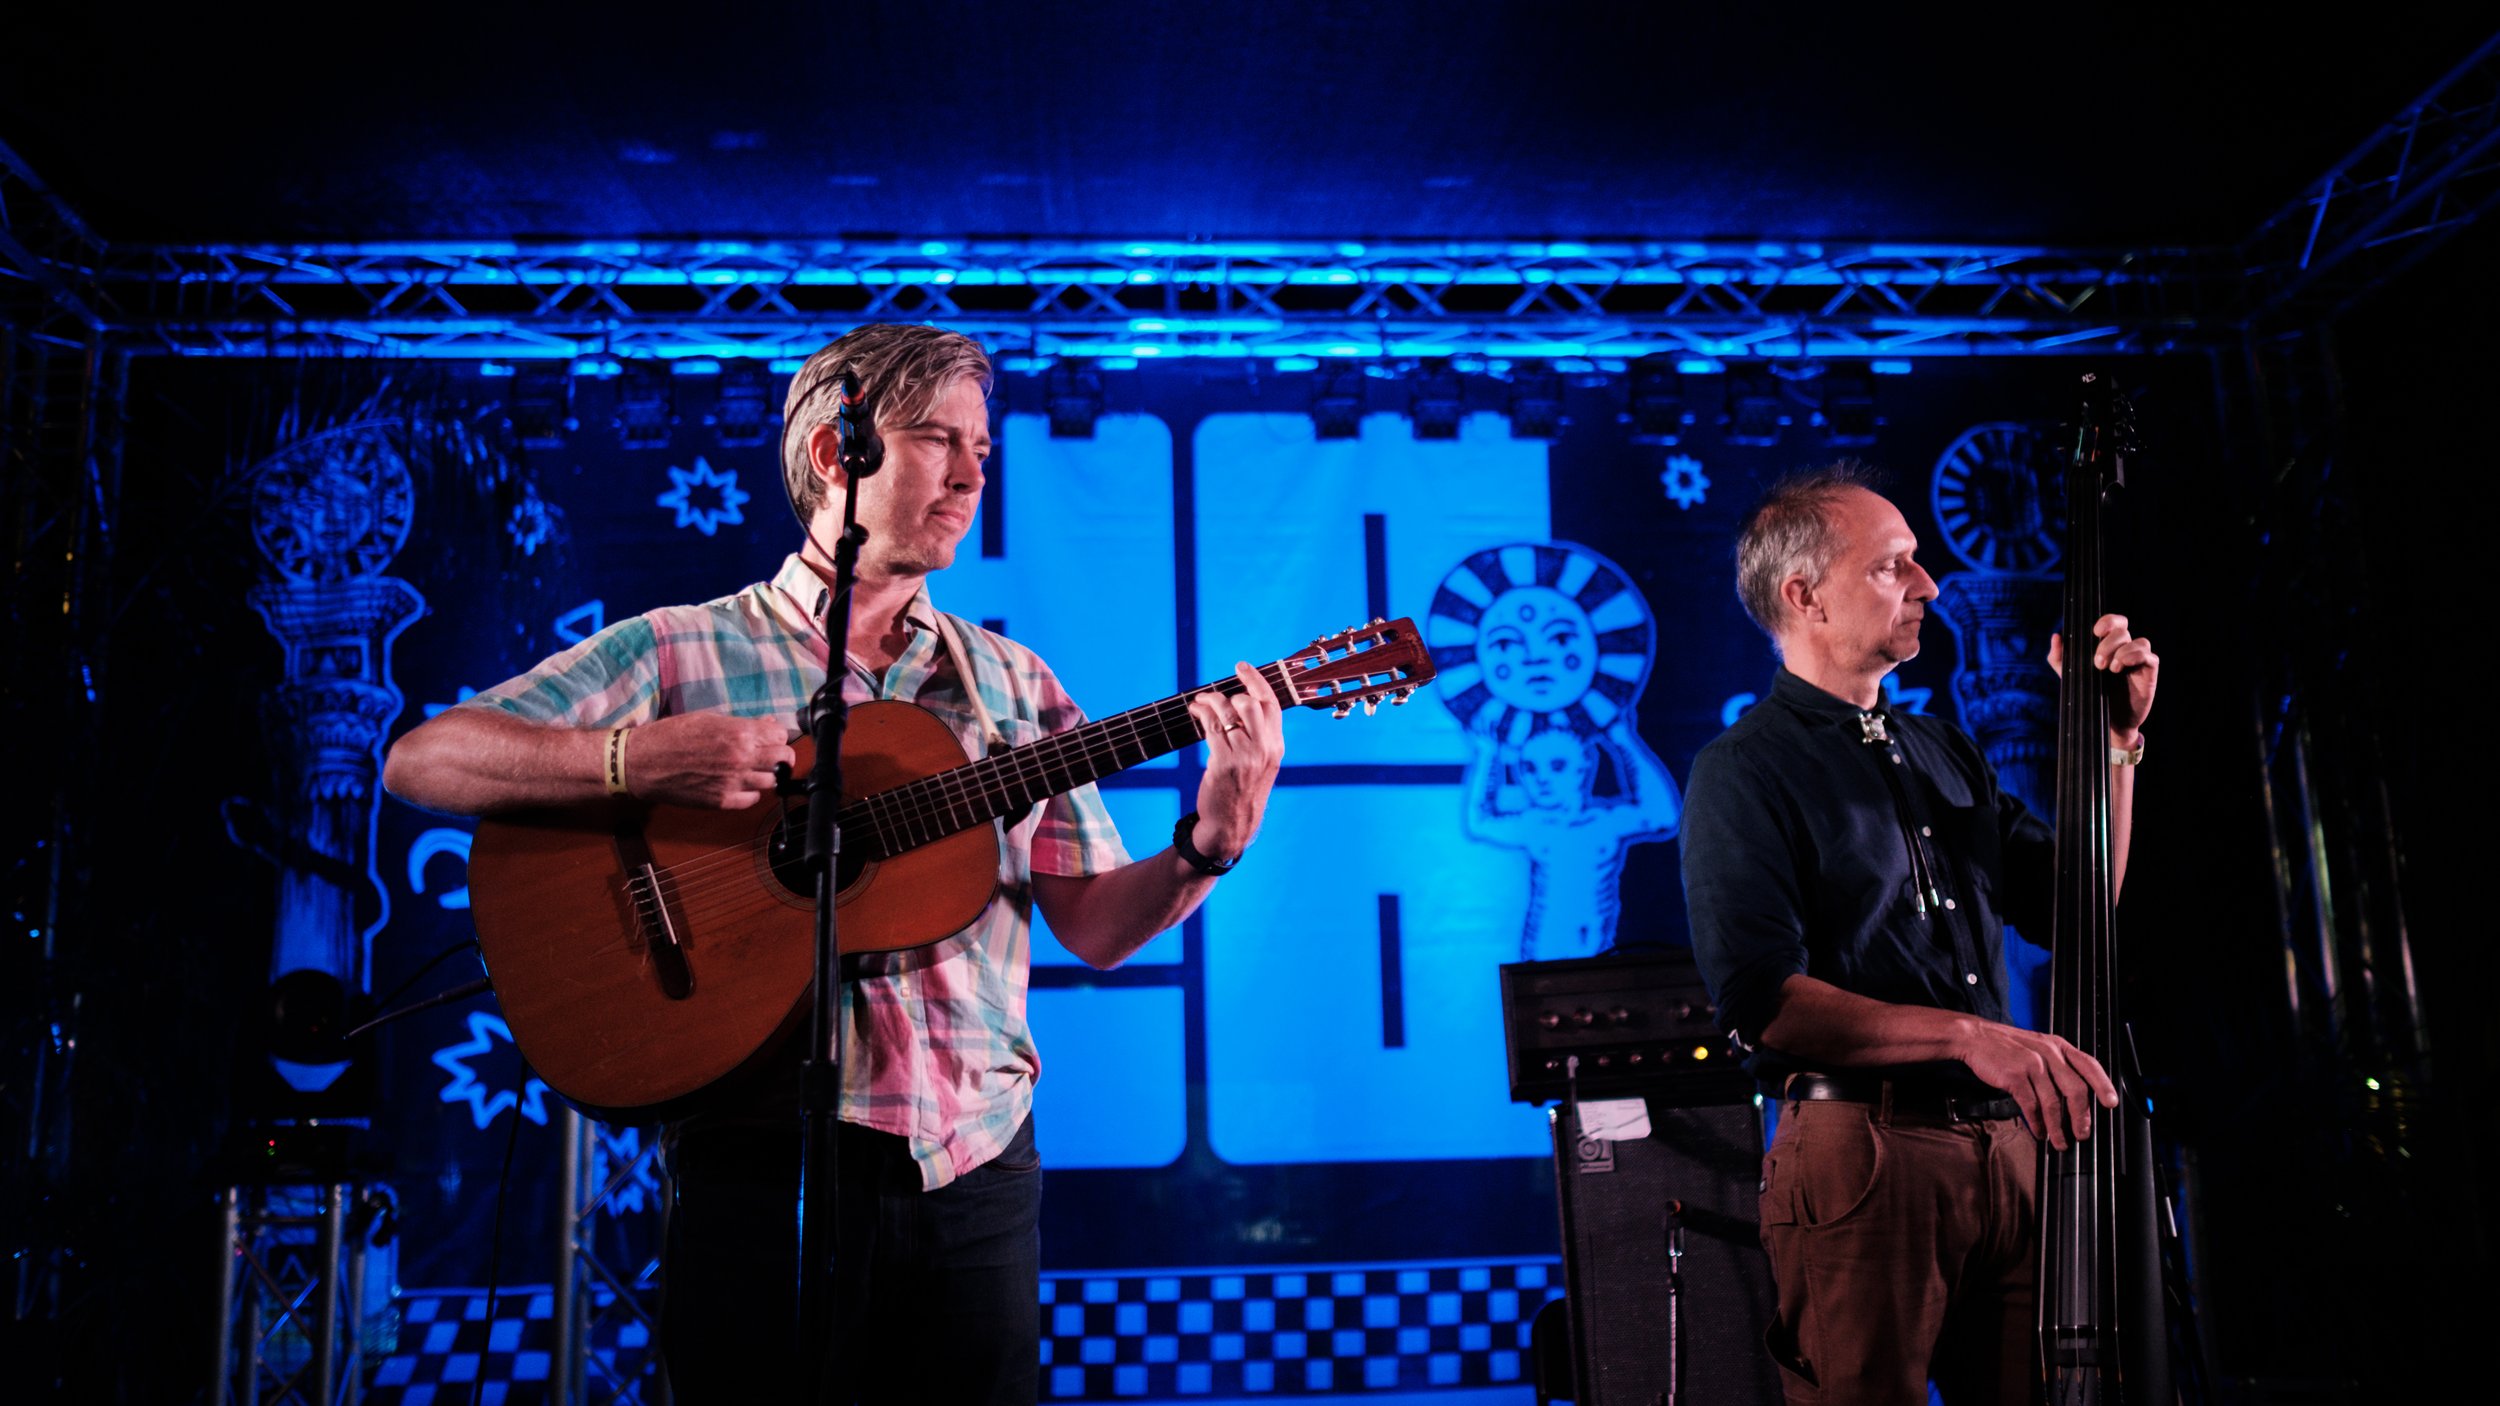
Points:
[[476, 760], [1819, 1023], [1105, 918]]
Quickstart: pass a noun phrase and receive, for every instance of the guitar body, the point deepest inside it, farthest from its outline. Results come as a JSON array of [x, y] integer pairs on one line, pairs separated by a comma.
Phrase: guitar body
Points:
[[644, 953], [632, 1027]]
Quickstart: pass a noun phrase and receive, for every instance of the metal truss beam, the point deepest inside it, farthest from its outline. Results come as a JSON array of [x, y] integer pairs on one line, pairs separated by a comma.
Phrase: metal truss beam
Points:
[[48, 258], [2402, 193], [1145, 299]]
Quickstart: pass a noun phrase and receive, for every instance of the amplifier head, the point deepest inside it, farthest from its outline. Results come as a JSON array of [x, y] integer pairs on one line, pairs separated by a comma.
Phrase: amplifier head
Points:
[[1639, 1021]]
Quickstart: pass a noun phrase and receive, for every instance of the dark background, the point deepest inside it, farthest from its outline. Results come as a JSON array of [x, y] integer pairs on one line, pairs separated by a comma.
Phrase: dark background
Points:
[[2329, 1250]]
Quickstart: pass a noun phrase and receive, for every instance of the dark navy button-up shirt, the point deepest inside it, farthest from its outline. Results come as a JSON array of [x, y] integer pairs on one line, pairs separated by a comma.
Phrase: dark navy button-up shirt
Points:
[[1801, 856]]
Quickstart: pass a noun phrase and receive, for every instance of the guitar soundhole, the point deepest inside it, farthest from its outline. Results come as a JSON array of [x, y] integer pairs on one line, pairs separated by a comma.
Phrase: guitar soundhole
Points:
[[787, 851]]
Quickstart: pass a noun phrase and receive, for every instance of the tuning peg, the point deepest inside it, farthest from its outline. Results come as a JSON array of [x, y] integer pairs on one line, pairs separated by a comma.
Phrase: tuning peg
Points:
[[1341, 709], [1378, 621], [1371, 705], [1398, 700]]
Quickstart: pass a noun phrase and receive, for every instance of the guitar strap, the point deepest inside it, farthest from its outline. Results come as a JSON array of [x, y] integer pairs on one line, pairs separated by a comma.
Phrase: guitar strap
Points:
[[952, 638]]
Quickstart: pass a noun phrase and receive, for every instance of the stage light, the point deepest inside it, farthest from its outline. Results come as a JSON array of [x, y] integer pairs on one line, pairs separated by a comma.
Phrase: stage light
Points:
[[1756, 412], [646, 404], [742, 412], [1072, 397], [1437, 400], [1535, 401], [1658, 412], [542, 404], [1848, 413], [1337, 401]]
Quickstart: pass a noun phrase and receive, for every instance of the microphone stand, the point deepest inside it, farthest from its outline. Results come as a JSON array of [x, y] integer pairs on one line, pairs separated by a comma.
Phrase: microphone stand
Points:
[[820, 1075]]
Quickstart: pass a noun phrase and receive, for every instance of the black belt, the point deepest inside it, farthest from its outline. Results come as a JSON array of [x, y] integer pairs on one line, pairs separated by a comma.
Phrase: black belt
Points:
[[1908, 1100]]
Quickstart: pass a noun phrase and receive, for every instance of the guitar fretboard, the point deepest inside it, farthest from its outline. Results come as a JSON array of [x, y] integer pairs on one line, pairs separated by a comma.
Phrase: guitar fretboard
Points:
[[976, 793]]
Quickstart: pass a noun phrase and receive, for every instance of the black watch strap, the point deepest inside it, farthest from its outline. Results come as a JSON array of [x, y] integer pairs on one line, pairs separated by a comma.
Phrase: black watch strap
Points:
[[1214, 868]]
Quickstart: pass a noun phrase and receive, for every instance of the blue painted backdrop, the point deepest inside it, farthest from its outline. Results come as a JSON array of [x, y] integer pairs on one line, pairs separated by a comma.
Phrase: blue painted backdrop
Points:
[[1310, 1071]]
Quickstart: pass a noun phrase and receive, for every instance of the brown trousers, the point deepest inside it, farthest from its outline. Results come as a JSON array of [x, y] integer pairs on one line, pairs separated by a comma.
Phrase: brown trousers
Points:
[[1904, 1250]]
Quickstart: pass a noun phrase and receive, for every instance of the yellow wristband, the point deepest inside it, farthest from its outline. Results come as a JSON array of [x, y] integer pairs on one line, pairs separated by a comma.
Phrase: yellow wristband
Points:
[[617, 738], [2127, 756]]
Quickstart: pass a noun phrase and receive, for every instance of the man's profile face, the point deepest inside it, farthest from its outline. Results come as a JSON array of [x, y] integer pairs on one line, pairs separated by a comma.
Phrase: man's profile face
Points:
[[1537, 649], [920, 504], [1876, 593]]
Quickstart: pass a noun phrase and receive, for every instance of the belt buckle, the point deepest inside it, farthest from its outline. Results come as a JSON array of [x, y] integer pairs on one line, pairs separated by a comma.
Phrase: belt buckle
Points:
[[1953, 1110]]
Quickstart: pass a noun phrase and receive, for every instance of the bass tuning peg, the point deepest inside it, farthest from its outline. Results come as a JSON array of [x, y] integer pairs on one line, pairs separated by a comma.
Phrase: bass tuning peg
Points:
[[1341, 709]]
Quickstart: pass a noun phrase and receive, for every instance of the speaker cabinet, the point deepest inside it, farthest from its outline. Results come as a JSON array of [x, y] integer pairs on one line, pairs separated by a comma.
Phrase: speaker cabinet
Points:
[[1648, 1326]]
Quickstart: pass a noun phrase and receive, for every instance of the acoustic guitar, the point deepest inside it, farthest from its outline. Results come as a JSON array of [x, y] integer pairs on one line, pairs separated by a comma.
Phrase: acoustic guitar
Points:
[[645, 953]]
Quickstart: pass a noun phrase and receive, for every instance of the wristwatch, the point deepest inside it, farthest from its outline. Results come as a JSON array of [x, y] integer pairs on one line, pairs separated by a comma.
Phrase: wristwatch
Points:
[[1213, 868]]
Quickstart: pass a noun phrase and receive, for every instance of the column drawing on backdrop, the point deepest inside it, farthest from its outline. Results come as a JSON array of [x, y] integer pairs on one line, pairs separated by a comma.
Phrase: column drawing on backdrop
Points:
[[1543, 649], [1997, 501], [329, 512]]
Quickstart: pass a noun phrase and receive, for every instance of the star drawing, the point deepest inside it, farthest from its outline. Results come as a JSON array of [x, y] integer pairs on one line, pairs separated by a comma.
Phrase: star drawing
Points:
[[465, 1087], [703, 516]]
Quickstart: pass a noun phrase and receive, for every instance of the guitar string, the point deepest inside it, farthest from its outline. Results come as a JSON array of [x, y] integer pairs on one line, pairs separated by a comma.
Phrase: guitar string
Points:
[[930, 808], [946, 795]]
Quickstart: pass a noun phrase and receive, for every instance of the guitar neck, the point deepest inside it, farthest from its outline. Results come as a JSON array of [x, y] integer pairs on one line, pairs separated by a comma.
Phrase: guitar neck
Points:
[[976, 793]]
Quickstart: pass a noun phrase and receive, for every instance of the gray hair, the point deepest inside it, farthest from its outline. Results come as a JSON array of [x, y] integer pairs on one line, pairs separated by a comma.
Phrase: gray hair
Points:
[[1789, 533], [902, 367]]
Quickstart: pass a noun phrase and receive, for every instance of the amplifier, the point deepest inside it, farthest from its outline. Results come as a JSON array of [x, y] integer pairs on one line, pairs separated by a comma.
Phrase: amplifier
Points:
[[1640, 1022]]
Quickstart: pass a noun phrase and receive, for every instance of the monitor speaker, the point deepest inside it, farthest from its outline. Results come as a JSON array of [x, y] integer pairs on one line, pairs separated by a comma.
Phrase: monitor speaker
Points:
[[1650, 1325]]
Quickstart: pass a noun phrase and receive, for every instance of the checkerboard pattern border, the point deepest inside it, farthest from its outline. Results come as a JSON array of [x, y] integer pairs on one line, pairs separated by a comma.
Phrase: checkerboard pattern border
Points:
[[1305, 1330], [1286, 1331], [448, 1352]]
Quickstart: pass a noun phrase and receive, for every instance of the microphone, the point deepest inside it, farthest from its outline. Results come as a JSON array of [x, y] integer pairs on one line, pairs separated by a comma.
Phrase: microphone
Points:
[[862, 452]]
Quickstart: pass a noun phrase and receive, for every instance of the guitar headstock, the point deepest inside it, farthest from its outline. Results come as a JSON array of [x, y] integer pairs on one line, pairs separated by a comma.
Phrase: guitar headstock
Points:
[[1384, 659]]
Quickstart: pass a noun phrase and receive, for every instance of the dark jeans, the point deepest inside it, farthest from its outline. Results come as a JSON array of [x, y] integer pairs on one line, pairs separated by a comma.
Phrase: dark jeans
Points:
[[936, 1294], [1903, 1248]]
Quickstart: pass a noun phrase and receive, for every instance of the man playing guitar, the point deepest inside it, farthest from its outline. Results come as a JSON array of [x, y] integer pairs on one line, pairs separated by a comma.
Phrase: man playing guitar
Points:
[[939, 1258]]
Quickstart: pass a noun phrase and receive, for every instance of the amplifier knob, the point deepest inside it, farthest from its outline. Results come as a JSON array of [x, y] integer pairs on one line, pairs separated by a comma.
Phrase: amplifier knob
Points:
[[1635, 1057], [1552, 1065], [1549, 1020], [1604, 1060], [1619, 1016], [1584, 1017]]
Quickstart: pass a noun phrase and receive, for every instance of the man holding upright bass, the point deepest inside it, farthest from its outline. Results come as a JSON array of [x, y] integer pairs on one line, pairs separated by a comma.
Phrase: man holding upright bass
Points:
[[1849, 869], [696, 706]]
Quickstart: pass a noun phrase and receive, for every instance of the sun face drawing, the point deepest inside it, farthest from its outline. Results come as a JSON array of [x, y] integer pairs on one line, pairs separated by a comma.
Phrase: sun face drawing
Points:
[[1537, 637]]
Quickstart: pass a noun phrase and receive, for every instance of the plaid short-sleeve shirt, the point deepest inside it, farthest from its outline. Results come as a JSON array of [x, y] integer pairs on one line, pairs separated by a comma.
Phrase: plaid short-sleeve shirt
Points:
[[937, 1050]]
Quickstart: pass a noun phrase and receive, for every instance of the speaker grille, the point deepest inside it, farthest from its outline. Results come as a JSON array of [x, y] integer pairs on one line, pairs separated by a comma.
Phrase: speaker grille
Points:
[[1615, 1199]]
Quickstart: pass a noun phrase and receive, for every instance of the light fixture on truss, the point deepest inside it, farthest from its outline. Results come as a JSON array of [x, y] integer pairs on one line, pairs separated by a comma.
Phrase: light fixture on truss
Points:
[[541, 407], [1072, 397], [646, 404], [1756, 410], [1337, 400], [1437, 400], [1847, 414], [742, 409], [1657, 409], [1536, 401]]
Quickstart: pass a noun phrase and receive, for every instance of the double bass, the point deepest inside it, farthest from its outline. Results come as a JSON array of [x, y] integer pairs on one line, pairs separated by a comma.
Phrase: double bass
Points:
[[2103, 1335]]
